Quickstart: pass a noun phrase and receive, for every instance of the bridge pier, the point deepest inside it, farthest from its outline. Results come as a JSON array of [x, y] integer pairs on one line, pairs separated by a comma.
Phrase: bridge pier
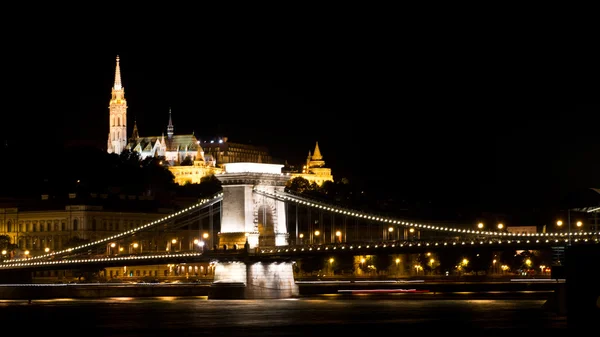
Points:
[[253, 280]]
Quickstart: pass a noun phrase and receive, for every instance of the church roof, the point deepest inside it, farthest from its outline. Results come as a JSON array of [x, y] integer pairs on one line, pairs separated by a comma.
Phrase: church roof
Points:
[[180, 142], [175, 143]]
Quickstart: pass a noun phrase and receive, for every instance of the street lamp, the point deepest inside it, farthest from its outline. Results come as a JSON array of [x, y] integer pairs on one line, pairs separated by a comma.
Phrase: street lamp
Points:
[[500, 226], [338, 235], [301, 238], [480, 225], [46, 249], [390, 233], [317, 233]]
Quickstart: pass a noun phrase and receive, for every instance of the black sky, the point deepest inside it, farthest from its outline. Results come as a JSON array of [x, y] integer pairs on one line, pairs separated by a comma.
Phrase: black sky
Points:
[[422, 127]]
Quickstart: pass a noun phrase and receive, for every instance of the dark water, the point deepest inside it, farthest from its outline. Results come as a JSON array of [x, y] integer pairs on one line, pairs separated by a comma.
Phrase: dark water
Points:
[[315, 316]]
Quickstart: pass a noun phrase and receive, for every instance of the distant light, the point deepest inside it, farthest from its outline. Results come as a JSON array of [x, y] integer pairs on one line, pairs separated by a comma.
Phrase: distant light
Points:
[[220, 141], [212, 141]]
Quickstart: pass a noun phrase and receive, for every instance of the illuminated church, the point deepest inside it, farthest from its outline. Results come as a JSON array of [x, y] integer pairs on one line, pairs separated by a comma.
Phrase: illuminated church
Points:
[[188, 158]]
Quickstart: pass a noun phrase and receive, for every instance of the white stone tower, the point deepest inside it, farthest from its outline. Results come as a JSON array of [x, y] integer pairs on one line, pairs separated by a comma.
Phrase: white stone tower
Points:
[[248, 215], [117, 136]]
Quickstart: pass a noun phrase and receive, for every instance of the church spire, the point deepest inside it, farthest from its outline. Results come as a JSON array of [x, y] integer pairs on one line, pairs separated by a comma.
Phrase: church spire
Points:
[[117, 136], [170, 126], [135, 135], [118, 85]]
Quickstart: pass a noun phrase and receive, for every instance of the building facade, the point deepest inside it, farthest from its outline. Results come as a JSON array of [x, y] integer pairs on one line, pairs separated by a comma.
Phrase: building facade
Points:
[[36, 232]]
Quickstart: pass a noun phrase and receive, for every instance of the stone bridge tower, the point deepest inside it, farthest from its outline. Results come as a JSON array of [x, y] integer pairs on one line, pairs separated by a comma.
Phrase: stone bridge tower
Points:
[[250, 216]]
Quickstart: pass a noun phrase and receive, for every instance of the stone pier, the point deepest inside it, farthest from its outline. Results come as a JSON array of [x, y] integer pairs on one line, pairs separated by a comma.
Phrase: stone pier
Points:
[[253, 280]]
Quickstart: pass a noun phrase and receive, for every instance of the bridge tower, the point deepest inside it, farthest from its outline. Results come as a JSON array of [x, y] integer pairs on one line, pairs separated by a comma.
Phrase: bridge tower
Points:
[[250, 220], [247, 215]]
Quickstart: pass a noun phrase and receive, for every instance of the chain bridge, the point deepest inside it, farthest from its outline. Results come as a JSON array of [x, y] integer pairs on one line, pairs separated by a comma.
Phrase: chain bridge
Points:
[[255, 231]]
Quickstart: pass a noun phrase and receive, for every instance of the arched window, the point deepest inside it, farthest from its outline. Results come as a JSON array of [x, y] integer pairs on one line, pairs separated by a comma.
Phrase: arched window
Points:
[[75, 224], [9, 226], [118, 121]]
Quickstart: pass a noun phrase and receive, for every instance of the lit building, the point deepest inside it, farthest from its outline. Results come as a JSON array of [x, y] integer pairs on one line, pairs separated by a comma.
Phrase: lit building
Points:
[[48, 228], [314, 169]]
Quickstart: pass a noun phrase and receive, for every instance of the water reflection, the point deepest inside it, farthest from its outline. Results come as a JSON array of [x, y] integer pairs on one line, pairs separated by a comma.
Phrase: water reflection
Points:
[[315, 316]]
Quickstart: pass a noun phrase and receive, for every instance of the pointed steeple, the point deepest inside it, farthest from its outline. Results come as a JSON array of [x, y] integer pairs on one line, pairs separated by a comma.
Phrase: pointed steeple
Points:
[[317, 154], [135, 134], [170, 126], [118, 85], [117, 136]]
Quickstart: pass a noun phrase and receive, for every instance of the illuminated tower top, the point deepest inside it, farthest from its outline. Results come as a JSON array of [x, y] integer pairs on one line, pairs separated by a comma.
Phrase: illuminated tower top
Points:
[[317, 154], [170, 126], [117, 85], [117, 136]]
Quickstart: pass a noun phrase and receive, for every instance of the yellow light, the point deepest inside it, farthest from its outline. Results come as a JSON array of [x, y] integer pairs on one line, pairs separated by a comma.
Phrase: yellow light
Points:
[[174, 241], [500, 226], [112, 245], [195, 241], [480, 225], [205, 235], [397, 261], [579, 223], [301, 235], [559, 223], [135, 245], [317, 233], [411, 230], [331, 260], [391, 229], [46, 249], [362, 260], [26, 252], [4, 252], [338, 233]]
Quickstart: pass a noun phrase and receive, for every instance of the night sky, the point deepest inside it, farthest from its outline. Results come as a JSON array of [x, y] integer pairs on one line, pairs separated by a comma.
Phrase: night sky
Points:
[[422, 130]]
